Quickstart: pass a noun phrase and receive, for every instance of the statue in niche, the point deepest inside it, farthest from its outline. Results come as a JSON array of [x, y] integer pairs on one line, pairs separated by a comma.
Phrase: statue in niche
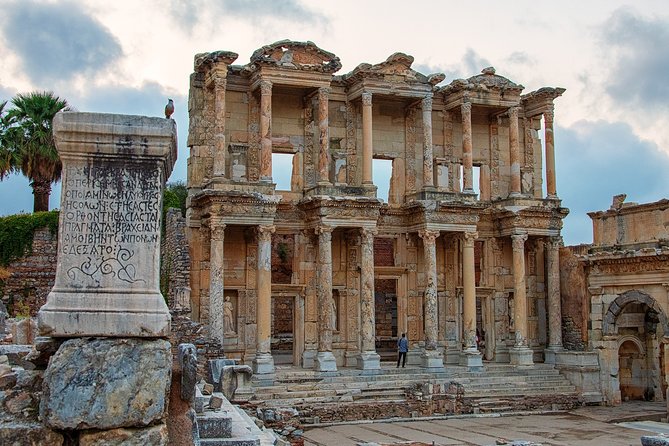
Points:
[[228, 317], [340, 176], [333, 314], [512, 311], [238, 171]]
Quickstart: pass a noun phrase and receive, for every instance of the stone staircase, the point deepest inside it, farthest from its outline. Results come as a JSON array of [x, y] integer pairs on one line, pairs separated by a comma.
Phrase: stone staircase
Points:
[[412, 391]]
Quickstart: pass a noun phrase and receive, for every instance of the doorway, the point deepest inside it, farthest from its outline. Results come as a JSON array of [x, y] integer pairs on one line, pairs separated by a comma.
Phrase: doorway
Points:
[[632, 371], [283, 340], [385, 306]]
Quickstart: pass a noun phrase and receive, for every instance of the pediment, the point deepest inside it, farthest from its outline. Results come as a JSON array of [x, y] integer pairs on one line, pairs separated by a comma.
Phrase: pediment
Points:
[[296, 55], [395, 68], [486, 81]]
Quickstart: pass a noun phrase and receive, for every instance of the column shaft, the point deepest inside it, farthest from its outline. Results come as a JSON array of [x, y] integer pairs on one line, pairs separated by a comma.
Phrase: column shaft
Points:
[[216, 287], [514, 151], [553, 291], [428, 157], [266, 131], [323, 136], [467, 156], [325, 360], [367, 307], [367, 142], [469, 285], [430, 301], [550, 154], [520, 296], [264, 290], [220, 149]]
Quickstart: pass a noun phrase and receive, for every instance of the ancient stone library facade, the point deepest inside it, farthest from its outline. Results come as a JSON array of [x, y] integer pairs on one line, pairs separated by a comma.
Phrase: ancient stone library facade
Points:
[[325, 274]]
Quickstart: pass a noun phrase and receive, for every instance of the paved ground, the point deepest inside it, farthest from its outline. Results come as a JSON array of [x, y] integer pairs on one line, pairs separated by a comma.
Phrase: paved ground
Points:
[[588, 426]]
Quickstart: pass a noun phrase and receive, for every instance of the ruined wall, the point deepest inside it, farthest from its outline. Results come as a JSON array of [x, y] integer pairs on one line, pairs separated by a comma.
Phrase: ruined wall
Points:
[[575, 301], [175, 259], [32, 276]]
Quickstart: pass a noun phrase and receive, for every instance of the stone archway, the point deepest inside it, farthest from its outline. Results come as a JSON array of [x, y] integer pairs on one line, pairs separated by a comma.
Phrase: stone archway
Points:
[[632, 296]]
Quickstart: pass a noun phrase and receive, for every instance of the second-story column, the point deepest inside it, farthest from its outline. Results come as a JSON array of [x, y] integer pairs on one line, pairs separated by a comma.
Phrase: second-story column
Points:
[[520, 353], [266, 131], [323, 136], [470, 355], [220, 84], [368, 359], [216, 273], [428, 157], [263, 362], [432, 356], [325, 360], [467, 155], [367, 141], [553, 299], [514, 152], [550, 153]]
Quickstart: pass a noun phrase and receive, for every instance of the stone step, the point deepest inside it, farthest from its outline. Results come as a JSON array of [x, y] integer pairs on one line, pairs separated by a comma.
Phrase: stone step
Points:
[[519, 392], [214, 425], [229, 442]]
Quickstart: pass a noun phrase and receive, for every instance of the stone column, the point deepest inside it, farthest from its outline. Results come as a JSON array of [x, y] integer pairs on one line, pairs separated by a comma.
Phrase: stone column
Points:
[[216, 285], [514, 152], [428, 157], [550, 153], [367, 142], [553, 298], [467, 160], [368, 359], [323, 136], [325, 360], [470, 355], [263, 362], [266, 131], [220, 84], [432, 356], [520, 353]]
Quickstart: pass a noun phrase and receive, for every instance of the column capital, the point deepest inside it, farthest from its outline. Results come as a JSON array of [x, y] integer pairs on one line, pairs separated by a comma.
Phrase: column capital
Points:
[[368, 235], [217, 228], [428, 236], [518, 241], [266, 87], [323, 91], [265, 232], [426, 102], [513, 112], [366, 98], [469, 238], [323, 230], [466, 107], [549, 116], [554, 242], [219, 82]]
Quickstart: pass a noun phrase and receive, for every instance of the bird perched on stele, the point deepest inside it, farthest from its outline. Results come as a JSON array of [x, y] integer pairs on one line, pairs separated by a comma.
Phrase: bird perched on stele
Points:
[[169, 108]]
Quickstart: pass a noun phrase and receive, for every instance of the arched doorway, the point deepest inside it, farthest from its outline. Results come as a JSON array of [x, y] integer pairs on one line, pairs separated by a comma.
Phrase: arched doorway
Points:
[[632, 371]]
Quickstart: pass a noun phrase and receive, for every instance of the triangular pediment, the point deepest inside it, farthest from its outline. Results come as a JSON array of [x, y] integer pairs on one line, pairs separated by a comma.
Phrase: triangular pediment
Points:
[[395, 67], [296, 55]]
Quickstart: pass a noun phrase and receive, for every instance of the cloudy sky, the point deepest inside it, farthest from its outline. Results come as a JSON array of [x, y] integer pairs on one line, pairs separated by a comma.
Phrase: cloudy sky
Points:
[[612, 57]]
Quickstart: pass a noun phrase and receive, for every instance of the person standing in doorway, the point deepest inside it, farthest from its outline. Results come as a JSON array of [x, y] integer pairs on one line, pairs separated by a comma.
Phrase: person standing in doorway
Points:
[[402, 349]]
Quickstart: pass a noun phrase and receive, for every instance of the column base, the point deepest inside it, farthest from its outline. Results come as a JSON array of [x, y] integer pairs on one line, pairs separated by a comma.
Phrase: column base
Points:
[[308, 359], [263, 364], [471, 359], [550, 354], [521, 356], [432, 359], [325, 362], [369, 361]]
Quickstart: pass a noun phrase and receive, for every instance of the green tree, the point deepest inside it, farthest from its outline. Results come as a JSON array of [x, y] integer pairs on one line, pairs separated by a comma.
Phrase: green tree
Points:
[[27, 145], [175, 197]]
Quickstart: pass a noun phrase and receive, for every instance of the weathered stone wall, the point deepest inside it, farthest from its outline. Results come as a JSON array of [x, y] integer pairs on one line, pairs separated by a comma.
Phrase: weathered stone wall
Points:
[[185, 331], [575, 301], [32, 276], [175, 258]]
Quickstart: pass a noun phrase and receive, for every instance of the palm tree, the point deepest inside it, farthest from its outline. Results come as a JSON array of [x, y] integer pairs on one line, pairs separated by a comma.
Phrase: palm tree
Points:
[[27, 143]]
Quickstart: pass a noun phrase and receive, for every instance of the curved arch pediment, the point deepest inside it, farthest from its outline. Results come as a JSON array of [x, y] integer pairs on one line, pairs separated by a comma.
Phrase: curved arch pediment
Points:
[[633, 296], [297, 55]]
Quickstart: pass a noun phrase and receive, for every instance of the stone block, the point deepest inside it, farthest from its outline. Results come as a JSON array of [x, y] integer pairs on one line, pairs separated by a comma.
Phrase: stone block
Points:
[[106, 383], [214, 370], [147, 436], [34, 434], [654, 440], [108, 268], [215, 402], [215, 425], [188, 365]]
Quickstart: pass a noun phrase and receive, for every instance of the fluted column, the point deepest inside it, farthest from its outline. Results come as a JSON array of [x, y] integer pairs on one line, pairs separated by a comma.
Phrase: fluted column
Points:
[[470, 356], [553, 298], [428, 157], [263, 362], [467, 156], [520, 353], [220, 84], [369, 359], [550, 153], [323, 136], [266, 131], [325, 360], [514, 151], [216, 272], [432, 356], [367, 142]]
